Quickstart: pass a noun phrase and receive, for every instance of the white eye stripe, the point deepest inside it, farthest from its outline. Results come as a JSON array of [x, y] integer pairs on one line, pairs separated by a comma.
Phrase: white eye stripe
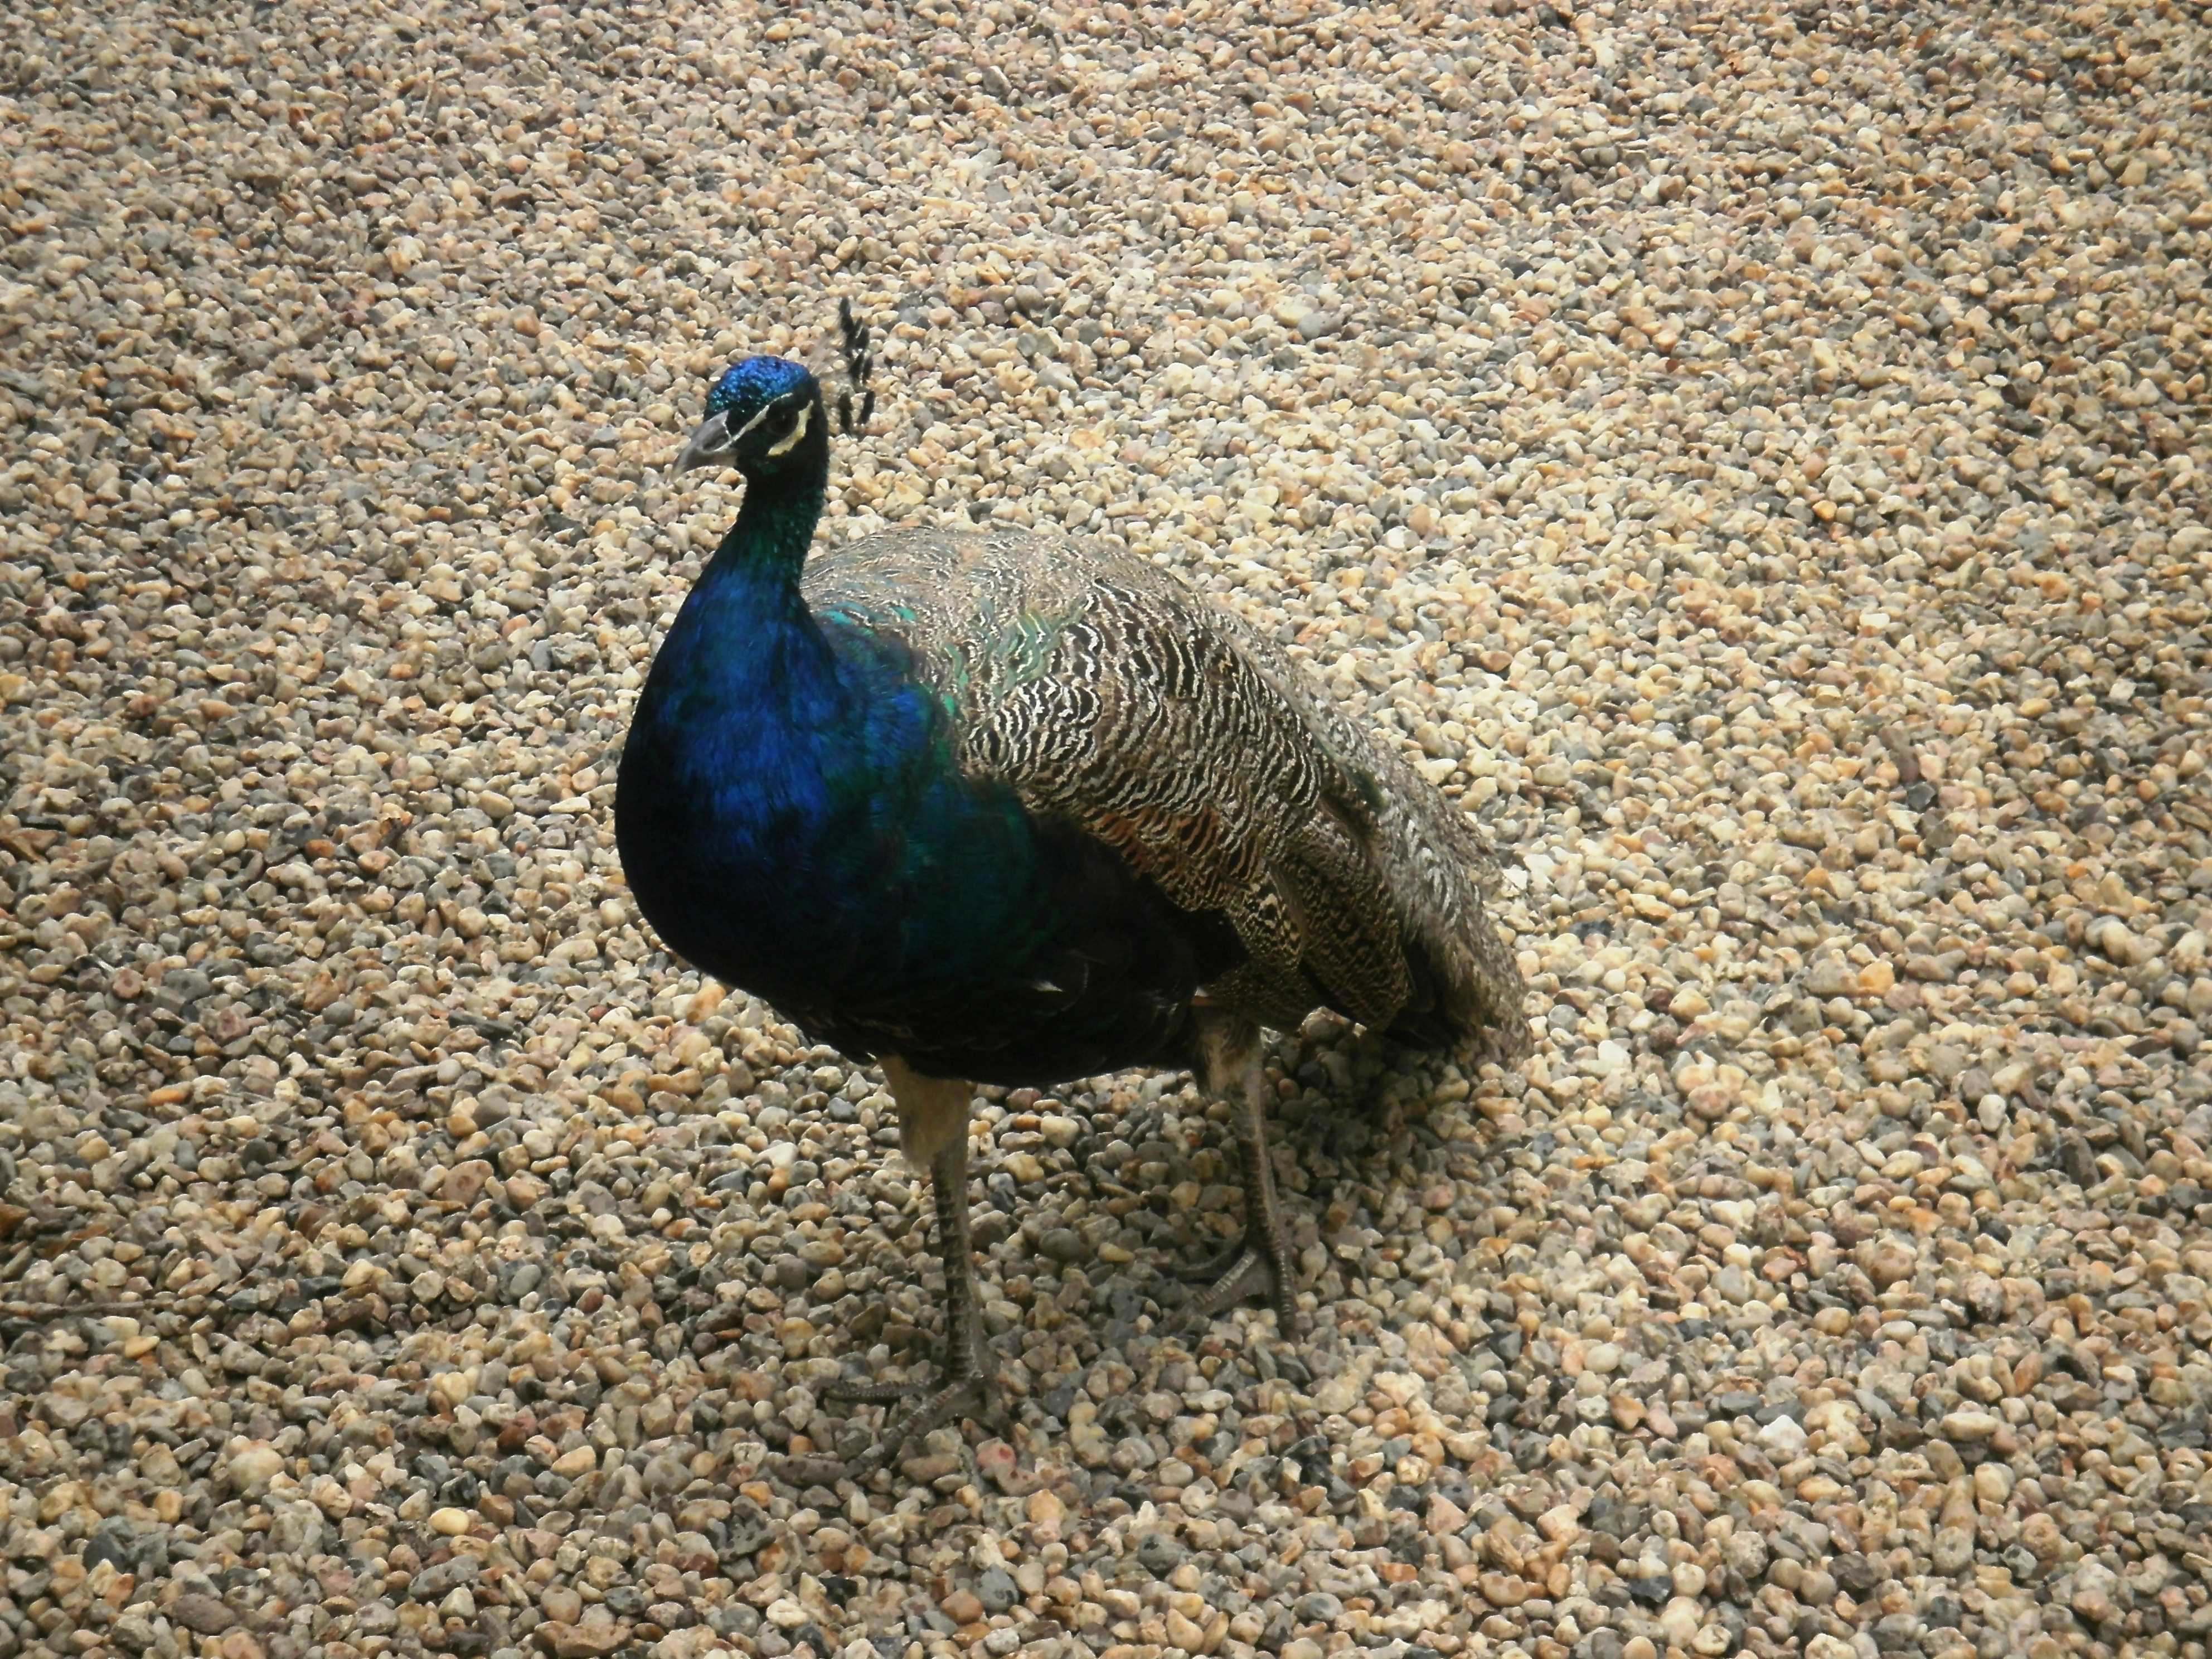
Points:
[[797, 430], [757, 418]]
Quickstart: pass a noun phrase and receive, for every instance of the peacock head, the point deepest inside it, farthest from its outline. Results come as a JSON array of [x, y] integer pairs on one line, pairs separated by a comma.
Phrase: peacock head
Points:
[[763, 415]]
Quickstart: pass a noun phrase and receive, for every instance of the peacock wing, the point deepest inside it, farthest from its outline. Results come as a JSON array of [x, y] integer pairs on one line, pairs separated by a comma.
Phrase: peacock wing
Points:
[[1108, 694]]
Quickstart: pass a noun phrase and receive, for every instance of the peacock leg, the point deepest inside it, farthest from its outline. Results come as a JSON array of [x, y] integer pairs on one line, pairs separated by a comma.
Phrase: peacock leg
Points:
[[934, 1124], [1230, 1055]]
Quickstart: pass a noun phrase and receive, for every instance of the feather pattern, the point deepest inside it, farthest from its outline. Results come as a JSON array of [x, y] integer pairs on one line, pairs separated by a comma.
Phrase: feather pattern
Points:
[[1106, 693]]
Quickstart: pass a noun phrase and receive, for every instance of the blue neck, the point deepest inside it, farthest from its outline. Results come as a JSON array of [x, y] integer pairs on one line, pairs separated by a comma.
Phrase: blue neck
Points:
[[766, 547], [745, 631], [775, 526]]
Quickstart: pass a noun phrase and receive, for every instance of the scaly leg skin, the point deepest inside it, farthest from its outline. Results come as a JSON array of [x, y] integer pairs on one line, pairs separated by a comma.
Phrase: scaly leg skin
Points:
[[933, 1129], [1261, 1265]]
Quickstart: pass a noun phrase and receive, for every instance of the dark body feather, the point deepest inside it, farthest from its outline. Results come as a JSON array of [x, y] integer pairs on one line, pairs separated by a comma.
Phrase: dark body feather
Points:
[[1004, 805]]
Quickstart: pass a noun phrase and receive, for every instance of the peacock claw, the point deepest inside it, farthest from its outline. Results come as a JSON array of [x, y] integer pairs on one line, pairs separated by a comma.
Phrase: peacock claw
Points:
[[965, 1392], [964, 1397], [1254, 1272], [813, 1471], [1217, 1265]]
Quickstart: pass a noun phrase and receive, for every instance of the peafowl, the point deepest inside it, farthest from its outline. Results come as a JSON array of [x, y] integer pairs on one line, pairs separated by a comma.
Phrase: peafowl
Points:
[[987, 806]]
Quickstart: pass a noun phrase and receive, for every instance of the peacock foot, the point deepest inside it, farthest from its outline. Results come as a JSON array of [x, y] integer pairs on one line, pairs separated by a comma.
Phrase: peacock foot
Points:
[[1253, 1268], [1261, 1264], [965, 1389]]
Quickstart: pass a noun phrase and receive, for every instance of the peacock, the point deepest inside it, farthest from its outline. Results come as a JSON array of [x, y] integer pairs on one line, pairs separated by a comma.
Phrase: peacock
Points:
[[989, 806]]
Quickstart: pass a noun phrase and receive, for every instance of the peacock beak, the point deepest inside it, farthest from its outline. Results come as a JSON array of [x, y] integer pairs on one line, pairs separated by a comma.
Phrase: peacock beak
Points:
[[708, 444]]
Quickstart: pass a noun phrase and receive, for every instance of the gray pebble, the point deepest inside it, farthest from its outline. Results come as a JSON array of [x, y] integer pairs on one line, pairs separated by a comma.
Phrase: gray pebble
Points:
[[996, 1590]]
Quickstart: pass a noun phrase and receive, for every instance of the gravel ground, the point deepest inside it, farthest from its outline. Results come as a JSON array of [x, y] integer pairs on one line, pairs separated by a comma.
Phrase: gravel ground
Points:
[[1757, 458]]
